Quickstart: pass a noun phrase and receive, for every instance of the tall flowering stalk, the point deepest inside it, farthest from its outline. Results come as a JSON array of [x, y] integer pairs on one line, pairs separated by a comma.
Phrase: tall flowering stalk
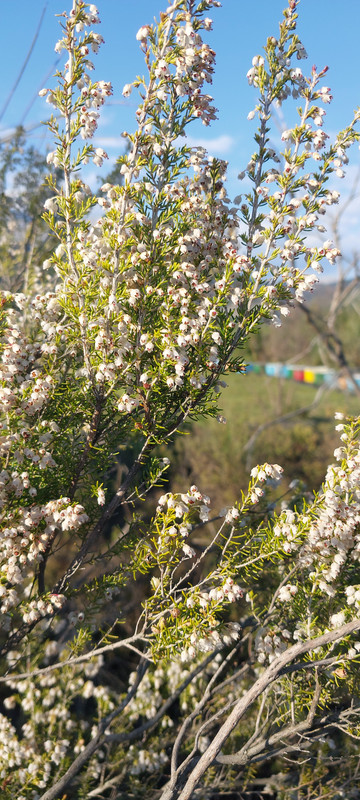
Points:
[[151, 305]]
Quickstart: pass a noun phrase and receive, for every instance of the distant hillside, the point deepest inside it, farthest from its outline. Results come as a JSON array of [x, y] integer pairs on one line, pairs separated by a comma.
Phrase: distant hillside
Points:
[[323, 293]]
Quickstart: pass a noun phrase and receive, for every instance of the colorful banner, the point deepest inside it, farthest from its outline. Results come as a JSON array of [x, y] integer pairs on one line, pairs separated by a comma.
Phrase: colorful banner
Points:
[[310, 375]]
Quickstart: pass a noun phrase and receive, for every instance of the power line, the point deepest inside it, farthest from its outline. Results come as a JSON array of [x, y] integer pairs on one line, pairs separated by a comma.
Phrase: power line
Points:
[[43, 82], [10, 136], [23, 68]]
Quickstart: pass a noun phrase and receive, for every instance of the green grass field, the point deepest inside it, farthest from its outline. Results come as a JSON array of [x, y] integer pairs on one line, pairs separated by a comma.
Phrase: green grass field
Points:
[[218, 458]]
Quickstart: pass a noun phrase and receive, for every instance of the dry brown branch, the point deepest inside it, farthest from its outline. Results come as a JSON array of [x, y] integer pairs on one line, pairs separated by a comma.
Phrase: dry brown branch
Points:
[[269, 675]]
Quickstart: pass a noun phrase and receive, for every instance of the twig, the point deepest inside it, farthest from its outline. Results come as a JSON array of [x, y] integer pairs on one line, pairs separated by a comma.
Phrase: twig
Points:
[[77, 660], [83, 757], [269, 676]]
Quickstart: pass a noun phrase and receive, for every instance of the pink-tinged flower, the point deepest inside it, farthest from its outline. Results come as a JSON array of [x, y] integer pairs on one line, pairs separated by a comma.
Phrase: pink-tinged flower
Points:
[[287, 592], [100, 497], [51, 204], [189, 552], [143, 33]]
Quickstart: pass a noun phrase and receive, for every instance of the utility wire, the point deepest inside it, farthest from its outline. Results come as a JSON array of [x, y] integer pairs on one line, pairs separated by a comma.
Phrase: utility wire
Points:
[[23, 68], [34, 98], [9, 136]]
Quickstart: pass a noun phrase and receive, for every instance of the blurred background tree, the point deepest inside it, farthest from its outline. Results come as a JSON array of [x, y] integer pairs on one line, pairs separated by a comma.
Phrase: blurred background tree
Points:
[[25, 239]]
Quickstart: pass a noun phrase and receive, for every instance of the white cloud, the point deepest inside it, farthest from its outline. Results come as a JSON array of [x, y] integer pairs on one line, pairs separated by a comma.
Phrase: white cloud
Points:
[[109, 141], [218, 145]]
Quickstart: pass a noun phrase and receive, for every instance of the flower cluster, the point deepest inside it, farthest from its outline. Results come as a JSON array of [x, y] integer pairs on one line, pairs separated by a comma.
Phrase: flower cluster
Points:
[[155, 293], [278, 218], [78, 95], [332, 535], [323, 544], [271, 643], [59, 729], [181, 62], [25, 538]]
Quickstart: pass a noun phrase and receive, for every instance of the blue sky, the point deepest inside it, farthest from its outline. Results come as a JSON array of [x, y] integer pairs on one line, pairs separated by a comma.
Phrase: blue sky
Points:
[[329, 32]]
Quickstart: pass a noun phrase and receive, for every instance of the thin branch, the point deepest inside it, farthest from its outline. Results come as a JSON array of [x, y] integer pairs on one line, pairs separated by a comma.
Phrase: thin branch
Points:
[[107, 785], [196, 711], [269, 676], [97, 530], [264, 748], [58, 788], [137, 733], [77, 660], [333, 346]]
